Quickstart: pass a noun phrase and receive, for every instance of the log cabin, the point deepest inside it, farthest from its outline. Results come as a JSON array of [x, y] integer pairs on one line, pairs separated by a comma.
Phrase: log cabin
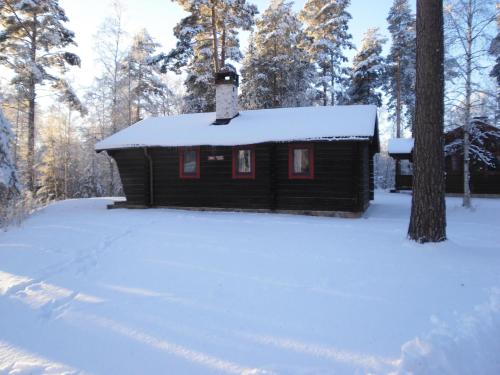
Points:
[[308, 160], [484, 164]]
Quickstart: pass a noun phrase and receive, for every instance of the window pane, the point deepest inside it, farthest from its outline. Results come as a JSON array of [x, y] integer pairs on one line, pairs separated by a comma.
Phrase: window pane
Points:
[[190, 161], [244, 161], [301, 161]]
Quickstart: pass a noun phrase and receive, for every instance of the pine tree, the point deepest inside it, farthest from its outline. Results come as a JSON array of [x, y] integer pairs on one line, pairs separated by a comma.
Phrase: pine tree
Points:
[[327, 27], [400, 65], [145, 86], [428, 208], [368, 71], [278, 72], [207, 40], [32, 42]]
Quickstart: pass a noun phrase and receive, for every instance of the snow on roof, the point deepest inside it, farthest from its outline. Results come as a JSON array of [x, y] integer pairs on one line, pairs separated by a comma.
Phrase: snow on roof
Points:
[[257, 126], [401, 145]]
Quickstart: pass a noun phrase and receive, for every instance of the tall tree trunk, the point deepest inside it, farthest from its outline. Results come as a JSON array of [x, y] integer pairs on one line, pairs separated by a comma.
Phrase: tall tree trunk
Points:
[[398, 110], [31, 111], [325, 87], [428, 210], [332, 83], [223, 47], [468, 94], [215, 45]]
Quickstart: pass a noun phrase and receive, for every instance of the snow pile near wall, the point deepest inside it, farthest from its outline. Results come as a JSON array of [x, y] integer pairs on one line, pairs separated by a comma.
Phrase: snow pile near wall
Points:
[[471, 346]]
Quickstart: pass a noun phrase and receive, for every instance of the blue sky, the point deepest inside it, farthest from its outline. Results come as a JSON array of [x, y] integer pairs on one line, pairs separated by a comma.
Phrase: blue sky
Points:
[[160, 16]]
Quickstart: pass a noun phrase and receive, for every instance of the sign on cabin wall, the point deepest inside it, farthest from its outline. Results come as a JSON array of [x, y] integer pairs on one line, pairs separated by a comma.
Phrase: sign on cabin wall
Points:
[[216, 158]]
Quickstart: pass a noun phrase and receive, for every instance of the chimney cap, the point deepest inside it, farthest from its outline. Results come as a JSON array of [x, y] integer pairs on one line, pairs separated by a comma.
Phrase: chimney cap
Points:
[[227, 78]]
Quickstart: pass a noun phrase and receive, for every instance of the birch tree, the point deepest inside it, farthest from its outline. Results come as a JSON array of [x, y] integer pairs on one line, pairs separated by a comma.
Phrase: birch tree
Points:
[[467, 24]]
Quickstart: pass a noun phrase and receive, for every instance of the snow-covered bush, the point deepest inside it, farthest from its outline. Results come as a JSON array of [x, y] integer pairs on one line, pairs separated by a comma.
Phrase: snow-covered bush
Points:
[[9, 185]]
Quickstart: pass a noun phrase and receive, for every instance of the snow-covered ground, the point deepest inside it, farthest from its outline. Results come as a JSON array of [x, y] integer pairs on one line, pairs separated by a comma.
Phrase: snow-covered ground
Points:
[[89, 290]]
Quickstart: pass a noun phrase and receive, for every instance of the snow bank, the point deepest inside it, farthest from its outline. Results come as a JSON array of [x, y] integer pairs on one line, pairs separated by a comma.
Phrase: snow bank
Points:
[[400, 145], [471, 346], [266, 125]]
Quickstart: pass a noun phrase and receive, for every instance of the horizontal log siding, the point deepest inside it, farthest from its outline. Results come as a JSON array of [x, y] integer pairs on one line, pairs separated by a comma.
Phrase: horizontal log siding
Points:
[[335, 186], [341, 179], [215, 187], [133, 167]]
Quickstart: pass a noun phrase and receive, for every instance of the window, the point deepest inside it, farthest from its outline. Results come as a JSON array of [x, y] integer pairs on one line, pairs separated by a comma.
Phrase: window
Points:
[[243, 162], [189, 162], [301, 162]]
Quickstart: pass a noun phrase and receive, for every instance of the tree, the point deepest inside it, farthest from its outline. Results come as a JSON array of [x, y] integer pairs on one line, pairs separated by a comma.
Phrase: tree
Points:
[[145, 86], [467, 22], [207, 40], [495, 71], [277, 72], [368, 71], [9, 184], [400, 65], [327, 27], [32, 44], [428, 209]]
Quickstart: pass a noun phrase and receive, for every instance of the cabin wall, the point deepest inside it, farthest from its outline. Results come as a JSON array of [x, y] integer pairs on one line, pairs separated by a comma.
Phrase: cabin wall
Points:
[[341, 179], [215, 187], [337, 182], [133, 166]]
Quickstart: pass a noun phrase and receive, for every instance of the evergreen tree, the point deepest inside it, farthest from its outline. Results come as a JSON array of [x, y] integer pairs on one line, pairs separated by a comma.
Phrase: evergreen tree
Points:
[[32, 42], [327, 27], [368, 71], [278, 71], [145, 86], [428, 208], [400, 65], [207, 40]]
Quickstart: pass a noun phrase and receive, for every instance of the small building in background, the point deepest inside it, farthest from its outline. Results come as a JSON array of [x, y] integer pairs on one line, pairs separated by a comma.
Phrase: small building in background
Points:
[[315, 160], [484, 159]]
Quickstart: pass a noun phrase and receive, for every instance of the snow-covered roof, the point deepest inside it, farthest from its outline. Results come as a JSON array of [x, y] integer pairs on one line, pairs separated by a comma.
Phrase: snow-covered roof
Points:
[[250, 127], [401, 145]]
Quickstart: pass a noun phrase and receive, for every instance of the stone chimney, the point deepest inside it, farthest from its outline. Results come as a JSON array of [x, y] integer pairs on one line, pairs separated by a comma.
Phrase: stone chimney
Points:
[[226, 97]]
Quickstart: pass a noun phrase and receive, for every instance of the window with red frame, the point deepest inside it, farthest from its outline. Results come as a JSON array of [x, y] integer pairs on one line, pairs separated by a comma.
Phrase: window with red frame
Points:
[[243, 162], [301, 162], [189, 162]]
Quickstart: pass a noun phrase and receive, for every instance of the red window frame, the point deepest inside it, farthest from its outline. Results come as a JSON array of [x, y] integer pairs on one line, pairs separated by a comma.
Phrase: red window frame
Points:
[[181, 163], [237, 174], [300, 176]]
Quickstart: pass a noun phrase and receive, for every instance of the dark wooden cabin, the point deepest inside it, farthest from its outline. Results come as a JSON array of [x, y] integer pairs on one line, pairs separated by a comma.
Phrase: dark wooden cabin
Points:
[[305, 160], [484, 164]]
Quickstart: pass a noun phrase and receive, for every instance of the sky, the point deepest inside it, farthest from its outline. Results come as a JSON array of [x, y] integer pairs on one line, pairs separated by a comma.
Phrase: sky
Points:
[[160, 16]]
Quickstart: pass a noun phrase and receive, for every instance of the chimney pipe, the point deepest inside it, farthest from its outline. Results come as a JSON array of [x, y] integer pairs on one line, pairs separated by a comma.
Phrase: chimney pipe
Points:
[[226, 97]]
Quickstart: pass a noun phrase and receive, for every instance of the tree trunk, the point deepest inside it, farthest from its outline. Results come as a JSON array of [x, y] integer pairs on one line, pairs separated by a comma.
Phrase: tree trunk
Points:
[[31, 112], [332, 82], [215, 46], [468, 94], [428, 210], [398, 110], [223, 47]]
